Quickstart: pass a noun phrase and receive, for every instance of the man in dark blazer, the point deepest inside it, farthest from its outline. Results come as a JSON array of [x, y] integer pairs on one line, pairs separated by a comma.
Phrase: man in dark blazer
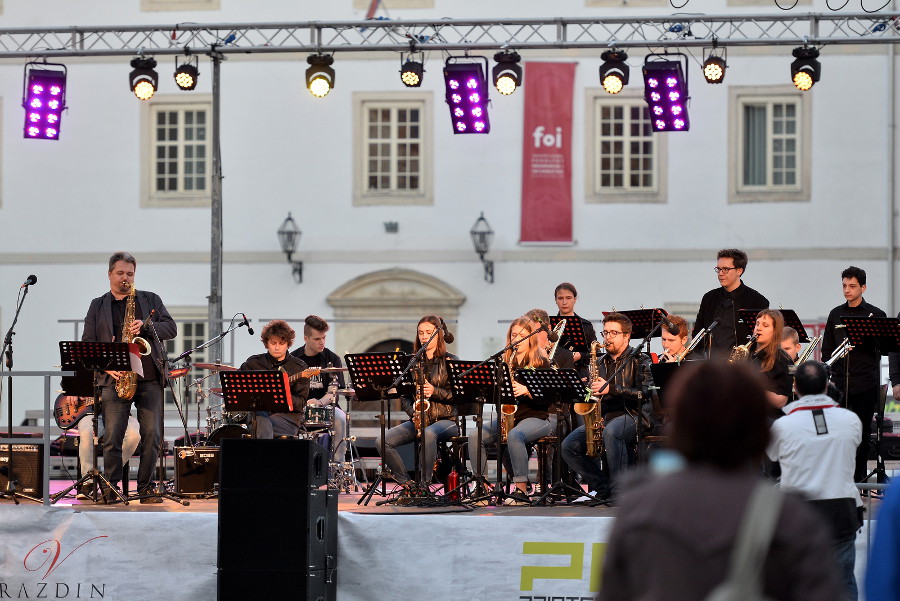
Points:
[[103, 323]]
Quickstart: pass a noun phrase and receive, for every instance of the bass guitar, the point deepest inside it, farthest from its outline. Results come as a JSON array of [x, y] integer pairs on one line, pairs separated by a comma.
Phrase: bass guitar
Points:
[[68, 410]]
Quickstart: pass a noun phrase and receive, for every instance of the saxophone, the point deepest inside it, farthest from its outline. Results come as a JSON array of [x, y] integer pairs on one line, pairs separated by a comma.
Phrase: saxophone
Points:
[[126, 385], [507, 413], [590, 408], [742, 352], [420, 403]]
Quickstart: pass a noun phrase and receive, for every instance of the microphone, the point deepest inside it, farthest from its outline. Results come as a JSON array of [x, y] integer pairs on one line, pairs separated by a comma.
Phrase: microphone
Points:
[[246, 323], [32, 279], [448, 337], [667, 324], [711, 326], [552, 336]]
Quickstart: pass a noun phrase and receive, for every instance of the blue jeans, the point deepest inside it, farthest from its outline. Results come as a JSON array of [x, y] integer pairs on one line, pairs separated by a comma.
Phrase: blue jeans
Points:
[[618, 435], [440, 431], [517, 440], [270, 425], [340, 428], [574, 449], [846, 554], [148, 401]]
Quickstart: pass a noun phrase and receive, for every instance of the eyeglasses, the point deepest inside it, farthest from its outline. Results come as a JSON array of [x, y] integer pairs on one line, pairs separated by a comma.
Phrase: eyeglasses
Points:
[[724, 270], [610, 333]]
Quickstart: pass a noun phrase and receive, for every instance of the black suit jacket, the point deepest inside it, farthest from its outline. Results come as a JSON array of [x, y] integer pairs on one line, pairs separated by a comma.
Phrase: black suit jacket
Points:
[[98, 324]]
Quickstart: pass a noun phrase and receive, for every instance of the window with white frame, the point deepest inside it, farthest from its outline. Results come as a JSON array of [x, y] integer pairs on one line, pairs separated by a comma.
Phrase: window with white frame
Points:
[[393, 162], [626, 160], [178, 153], [770, 149]]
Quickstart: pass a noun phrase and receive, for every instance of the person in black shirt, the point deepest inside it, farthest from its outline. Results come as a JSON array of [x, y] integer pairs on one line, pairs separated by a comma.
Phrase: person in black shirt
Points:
[[771, 359], [790, 342], [674, 344], [566, 296], [721, 305], [103, 323], [858, 374], [278, 337], [323, 387]]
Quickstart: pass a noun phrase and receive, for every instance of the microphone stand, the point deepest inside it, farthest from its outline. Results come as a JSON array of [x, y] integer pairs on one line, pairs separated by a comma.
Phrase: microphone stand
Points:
[[11, 482]]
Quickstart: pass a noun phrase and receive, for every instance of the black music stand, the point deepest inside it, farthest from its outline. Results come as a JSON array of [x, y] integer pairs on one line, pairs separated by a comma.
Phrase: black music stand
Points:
[[643, 321], [473, 383], [573, 336], [565, 387], [376, 376], [97, 357], [748, 317], [882, 336], [252, 391]]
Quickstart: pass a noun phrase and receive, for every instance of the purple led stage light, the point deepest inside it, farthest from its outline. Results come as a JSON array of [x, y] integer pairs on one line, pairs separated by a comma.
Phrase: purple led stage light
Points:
[[44, 99], [466, 94], [666, 93]]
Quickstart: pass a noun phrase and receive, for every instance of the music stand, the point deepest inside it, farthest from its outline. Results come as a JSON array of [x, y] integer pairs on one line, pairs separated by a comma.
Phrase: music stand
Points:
[[252, 391], [573, 337], [97, 357], [472, 384], [748, 317], [376, 376], [565, 387], [643, 321]]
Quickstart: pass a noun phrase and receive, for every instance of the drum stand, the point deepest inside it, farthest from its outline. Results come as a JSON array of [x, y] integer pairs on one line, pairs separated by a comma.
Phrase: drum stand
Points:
[[343, 473]]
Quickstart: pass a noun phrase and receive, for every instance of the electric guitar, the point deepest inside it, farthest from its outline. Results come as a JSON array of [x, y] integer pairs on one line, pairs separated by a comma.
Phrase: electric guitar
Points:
[[68, 410]]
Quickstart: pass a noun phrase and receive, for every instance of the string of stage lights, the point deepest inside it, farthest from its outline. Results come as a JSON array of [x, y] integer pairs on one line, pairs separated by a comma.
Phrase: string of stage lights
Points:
[[45, 104]]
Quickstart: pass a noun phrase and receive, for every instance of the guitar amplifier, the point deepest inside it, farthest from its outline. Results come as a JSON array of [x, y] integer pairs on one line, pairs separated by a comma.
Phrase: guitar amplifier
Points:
[[27, 467], [196, 470]]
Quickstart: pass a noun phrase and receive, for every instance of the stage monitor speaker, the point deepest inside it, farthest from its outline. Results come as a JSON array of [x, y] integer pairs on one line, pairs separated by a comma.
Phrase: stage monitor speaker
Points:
[[283, 465], [27, 468], [196, 470], [244, 585]]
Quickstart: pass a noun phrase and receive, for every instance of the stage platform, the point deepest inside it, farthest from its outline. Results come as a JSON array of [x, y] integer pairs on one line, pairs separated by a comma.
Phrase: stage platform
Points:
[[152, 552]]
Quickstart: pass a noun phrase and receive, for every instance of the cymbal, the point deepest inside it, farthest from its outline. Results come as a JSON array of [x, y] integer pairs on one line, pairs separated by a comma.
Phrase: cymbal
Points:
[[345, 391], [328, 370], [214, 366]]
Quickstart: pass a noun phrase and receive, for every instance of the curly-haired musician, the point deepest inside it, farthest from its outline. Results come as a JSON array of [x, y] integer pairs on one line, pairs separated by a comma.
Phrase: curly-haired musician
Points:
[[104, 323], [278, 336], [439, 415]]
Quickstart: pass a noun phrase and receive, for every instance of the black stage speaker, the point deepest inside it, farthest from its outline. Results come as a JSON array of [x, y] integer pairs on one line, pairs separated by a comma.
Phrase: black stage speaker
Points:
[[276, 527], [27, 468], [196, 470]]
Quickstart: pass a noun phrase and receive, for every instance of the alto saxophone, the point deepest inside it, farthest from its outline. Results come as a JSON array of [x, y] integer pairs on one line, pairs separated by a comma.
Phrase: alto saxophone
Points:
[[420, 403], [742, 352], [590, 408], [507, 414], [126, 385]]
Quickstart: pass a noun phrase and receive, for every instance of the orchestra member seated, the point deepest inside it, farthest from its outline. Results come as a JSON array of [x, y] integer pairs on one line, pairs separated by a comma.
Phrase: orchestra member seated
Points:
[[771, 359]]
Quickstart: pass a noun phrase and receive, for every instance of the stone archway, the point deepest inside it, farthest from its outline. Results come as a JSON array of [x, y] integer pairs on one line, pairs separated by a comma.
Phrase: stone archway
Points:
[[386, 304]]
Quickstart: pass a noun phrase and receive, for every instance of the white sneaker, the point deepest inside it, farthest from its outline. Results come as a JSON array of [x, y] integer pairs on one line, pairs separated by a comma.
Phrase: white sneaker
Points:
[[591, 496]]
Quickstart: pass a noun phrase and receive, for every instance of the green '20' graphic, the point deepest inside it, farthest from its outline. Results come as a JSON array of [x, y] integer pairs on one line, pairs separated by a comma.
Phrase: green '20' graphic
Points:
[[573, 571]]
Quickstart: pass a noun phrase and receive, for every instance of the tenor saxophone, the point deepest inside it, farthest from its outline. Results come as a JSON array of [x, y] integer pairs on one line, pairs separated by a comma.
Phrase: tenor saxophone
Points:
[[590, 408], [126, 385], [420, 403], [507, 415]]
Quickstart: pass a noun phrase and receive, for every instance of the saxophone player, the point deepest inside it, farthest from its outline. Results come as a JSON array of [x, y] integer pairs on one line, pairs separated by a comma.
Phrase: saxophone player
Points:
[[531, 417], [104, 323], [771, 359], [440, 416], [621, 401]]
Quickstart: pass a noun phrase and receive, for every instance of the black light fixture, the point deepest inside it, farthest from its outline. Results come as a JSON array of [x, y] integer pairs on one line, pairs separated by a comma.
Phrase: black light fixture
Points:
[[186, 73], [143, 79], [805, 70], [288, 238], [714, 66], [507, 73], [614, 71], [482, 236], [413, 69], [319, 75]]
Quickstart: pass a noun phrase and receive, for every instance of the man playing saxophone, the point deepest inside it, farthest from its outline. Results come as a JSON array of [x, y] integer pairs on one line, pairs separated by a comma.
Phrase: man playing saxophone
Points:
[[104, 323], [621, 403]]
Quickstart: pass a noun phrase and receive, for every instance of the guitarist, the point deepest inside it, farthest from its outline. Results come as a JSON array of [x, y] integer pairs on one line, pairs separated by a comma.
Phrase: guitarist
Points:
[[278, 336], [86, 447]]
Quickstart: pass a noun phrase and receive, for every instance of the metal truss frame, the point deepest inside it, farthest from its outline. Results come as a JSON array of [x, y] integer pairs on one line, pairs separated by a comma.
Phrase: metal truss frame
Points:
[[451, 35]]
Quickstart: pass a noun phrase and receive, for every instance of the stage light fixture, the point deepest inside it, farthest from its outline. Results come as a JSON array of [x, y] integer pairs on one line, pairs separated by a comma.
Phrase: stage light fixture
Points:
[[466, 93], [187, 73], [805, 70], [666, 92], [714, 69], [143, 78], [43, 98], [411, 73], [319, 75], [507, 73], [614, 71]]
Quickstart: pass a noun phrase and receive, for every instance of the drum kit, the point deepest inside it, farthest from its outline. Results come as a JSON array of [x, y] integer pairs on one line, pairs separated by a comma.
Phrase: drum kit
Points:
[[318, 420]]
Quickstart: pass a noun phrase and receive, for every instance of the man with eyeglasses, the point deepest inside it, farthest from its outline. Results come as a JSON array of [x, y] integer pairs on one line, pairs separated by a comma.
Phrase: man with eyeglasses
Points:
[[720, 306], [621, 404]]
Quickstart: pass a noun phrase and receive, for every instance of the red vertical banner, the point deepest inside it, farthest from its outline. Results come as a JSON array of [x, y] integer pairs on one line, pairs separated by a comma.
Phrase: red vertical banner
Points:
[[547, 153]]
